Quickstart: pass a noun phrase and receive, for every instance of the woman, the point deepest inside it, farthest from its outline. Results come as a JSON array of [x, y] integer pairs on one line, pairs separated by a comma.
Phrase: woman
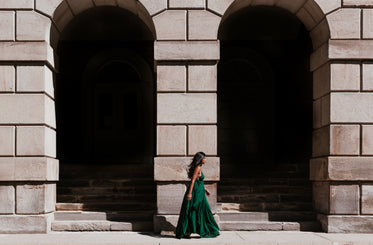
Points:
[[195, 214]]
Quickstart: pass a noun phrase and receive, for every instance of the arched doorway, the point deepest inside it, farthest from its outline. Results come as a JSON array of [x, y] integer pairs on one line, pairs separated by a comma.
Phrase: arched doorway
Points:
[[105, 117], [265, 114]]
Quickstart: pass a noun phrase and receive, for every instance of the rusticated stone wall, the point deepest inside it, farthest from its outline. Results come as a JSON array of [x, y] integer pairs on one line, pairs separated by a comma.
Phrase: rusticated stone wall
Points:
[[186, 53]]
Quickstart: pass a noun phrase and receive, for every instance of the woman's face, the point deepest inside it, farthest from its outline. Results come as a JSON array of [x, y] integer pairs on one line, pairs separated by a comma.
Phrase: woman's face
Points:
[[204, 160]]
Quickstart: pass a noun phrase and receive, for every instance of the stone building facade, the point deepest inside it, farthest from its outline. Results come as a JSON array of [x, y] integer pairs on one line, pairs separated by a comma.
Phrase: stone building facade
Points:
[[179, 102]]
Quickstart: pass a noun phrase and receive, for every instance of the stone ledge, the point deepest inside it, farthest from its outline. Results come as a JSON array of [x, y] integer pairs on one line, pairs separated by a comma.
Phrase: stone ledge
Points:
[[28, 169], [346, 223], [341, 168], [175, 168], [186, 50], [25, 223], [26, 51], [169, 222]]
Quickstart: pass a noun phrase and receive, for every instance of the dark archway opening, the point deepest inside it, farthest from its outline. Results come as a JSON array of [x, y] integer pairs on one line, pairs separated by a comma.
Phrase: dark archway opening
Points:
[[105, 112], [265, 112]]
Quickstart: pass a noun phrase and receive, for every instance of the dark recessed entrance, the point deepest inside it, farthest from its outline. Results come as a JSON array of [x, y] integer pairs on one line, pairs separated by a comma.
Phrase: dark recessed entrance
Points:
[[105, 112], [265, 112]]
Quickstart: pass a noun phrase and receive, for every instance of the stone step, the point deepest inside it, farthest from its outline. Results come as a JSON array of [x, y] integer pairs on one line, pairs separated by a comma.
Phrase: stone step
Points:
[[104, 216], [108, 197], [99, 225], [258, 226], [265, 197], [267, 206], [112, 189], [106, 206], [288, 216], [269, 226], [101, 182]]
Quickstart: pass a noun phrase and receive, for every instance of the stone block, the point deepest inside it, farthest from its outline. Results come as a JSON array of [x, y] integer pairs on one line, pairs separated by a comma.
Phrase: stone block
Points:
[[367, 199], [62, 16], [26, 51], [187, 4], [367, 77], [7, 199], [367, 24], [165, 223], [316, 114], [35, 79], [202, 138], [313, 8], [171, 78], [350, 168], [27, 109], [202, 25], [320, 34], [321, 112], [355, 3], [319, 168], [306, 18], [202, 78], [7, 78], [171, 140], [263, 2], [351, 49], [344, 199], [105, 2], [154, 7], [319, 57], [351, 107], [35, 199], [344, 24], [320, 142], [79, 6], [171, 25], [7, 141], [47, 7], [181, 50], [328, 6], [321, 81], [345, 77], [17, 4], [321, 194], [367, 141], [7, 25], [17, 224], [36, 141], [349, 224], [219, 6], [170, 198], [344, 139], [32, 26], [32, 168], [175, 168], [186, 108], [292, 6]]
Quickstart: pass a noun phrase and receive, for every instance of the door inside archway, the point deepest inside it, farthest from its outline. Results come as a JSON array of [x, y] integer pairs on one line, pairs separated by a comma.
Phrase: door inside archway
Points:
[[265, 114], [105, 116]]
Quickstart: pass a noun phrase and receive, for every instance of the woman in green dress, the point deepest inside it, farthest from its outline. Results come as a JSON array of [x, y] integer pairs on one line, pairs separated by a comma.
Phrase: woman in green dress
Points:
[[195, 214]]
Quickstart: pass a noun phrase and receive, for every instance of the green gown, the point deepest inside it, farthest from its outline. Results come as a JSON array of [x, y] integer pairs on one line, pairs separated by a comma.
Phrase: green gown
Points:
[[195, 215]]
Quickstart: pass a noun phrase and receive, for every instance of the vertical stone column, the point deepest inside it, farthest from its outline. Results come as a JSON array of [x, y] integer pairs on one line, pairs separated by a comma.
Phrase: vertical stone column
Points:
[[28, 168], [341, 165], [186, 53]]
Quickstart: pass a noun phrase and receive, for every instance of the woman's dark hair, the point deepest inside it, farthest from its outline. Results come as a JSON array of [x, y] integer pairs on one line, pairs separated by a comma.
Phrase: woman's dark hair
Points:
[[197, 160]]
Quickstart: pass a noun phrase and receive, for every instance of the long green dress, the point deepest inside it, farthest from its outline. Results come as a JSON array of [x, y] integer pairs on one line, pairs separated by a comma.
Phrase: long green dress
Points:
[[195, 215]]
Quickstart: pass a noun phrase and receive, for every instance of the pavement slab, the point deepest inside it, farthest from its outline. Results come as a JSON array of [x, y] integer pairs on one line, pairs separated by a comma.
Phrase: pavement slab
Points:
[[226, 237]]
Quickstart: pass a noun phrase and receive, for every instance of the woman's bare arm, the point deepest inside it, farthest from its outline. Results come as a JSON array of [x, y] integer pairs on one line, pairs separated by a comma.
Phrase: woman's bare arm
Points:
[[195, 175]]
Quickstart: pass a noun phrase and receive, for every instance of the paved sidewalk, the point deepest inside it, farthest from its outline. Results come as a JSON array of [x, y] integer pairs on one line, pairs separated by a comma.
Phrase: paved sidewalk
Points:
[[226, 237]]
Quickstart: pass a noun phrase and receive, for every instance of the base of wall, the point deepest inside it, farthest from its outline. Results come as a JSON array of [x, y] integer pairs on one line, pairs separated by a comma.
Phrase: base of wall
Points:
[[346, 223], [167, 223], [18, 224]]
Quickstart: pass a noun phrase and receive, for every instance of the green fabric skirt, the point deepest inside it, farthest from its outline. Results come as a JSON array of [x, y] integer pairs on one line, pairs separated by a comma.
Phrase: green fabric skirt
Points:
[[195, 215]]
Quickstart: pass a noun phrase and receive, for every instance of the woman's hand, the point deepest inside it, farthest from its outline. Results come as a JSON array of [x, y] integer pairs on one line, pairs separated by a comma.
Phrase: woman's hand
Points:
[[207, 192], [189, 197]]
